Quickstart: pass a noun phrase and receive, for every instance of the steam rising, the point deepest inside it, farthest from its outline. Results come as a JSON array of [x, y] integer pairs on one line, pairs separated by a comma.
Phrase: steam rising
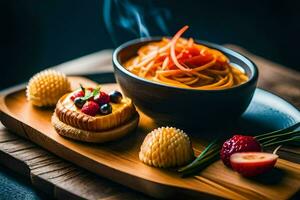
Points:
[[125, 19]]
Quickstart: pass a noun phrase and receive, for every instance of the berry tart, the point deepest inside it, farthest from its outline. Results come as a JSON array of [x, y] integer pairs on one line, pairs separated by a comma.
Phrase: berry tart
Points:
[[91, 115]]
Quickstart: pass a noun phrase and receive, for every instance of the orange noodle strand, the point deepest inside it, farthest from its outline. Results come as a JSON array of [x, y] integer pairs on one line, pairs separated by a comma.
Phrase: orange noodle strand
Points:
[[183, 63]]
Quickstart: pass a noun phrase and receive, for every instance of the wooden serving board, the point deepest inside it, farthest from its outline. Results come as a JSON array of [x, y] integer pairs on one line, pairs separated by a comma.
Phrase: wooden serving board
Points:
[[119, 161]]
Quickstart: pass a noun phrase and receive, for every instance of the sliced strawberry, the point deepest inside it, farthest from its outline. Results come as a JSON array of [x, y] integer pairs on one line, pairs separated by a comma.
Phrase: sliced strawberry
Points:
[[238, 143], [77, 94], [252, 163], [90, 108]]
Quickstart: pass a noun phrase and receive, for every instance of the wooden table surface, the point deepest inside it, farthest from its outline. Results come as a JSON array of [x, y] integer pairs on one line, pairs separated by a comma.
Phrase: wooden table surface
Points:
[[63, 180]]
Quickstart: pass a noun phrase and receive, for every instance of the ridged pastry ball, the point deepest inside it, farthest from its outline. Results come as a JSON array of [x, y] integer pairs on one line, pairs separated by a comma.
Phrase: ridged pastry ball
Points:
[[46, 87], [166, 147]]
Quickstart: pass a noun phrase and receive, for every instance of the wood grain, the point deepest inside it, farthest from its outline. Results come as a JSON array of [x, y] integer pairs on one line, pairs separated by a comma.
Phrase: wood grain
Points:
[[119, 161], [54, 176]]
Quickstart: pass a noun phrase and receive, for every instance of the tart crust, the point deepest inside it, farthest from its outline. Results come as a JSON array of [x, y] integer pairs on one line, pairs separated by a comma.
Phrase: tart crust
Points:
[[92, 136], [67, 113]]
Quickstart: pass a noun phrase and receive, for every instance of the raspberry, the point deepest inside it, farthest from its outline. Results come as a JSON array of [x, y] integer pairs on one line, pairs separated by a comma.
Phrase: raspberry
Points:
[[90, 89], [90, 108], [238, 143], [102, 98], [77, 94]]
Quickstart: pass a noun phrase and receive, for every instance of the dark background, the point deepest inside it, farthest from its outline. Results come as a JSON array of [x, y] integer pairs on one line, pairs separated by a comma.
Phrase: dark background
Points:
[[37, 34]]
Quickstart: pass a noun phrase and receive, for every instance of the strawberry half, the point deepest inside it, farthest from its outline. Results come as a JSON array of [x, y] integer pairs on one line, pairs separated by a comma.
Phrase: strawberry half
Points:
[[253, 163], [90, 108], [238, 143]]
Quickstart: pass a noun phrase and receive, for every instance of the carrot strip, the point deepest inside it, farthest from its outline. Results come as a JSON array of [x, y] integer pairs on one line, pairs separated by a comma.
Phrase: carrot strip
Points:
[[183, 63], [172, 51]]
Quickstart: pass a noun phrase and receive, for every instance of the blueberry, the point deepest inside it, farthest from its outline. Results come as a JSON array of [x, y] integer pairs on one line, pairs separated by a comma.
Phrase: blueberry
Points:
[[115, 96], [105, 109], [79, 102]]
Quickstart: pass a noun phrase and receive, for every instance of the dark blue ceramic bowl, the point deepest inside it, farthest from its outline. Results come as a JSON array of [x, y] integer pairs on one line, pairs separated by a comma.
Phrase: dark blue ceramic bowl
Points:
[[176, 105]]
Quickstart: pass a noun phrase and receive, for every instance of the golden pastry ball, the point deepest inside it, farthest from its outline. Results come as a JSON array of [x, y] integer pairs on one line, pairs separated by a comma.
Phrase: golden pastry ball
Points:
[[46, 87], [166, 147]]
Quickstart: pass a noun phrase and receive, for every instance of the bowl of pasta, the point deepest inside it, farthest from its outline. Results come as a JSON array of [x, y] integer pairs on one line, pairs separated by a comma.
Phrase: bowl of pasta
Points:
[[185, 81]]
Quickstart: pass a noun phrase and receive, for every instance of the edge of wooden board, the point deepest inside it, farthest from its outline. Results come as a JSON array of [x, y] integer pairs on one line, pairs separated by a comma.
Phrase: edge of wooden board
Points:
[[54, 176]]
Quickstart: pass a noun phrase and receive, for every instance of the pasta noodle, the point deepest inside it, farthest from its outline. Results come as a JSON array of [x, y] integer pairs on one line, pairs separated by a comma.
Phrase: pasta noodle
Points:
[[183, 63]]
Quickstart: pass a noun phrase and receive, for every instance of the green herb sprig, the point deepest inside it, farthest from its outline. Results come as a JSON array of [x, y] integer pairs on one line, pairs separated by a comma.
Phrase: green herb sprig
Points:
[[88, 94], [212, 152]]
